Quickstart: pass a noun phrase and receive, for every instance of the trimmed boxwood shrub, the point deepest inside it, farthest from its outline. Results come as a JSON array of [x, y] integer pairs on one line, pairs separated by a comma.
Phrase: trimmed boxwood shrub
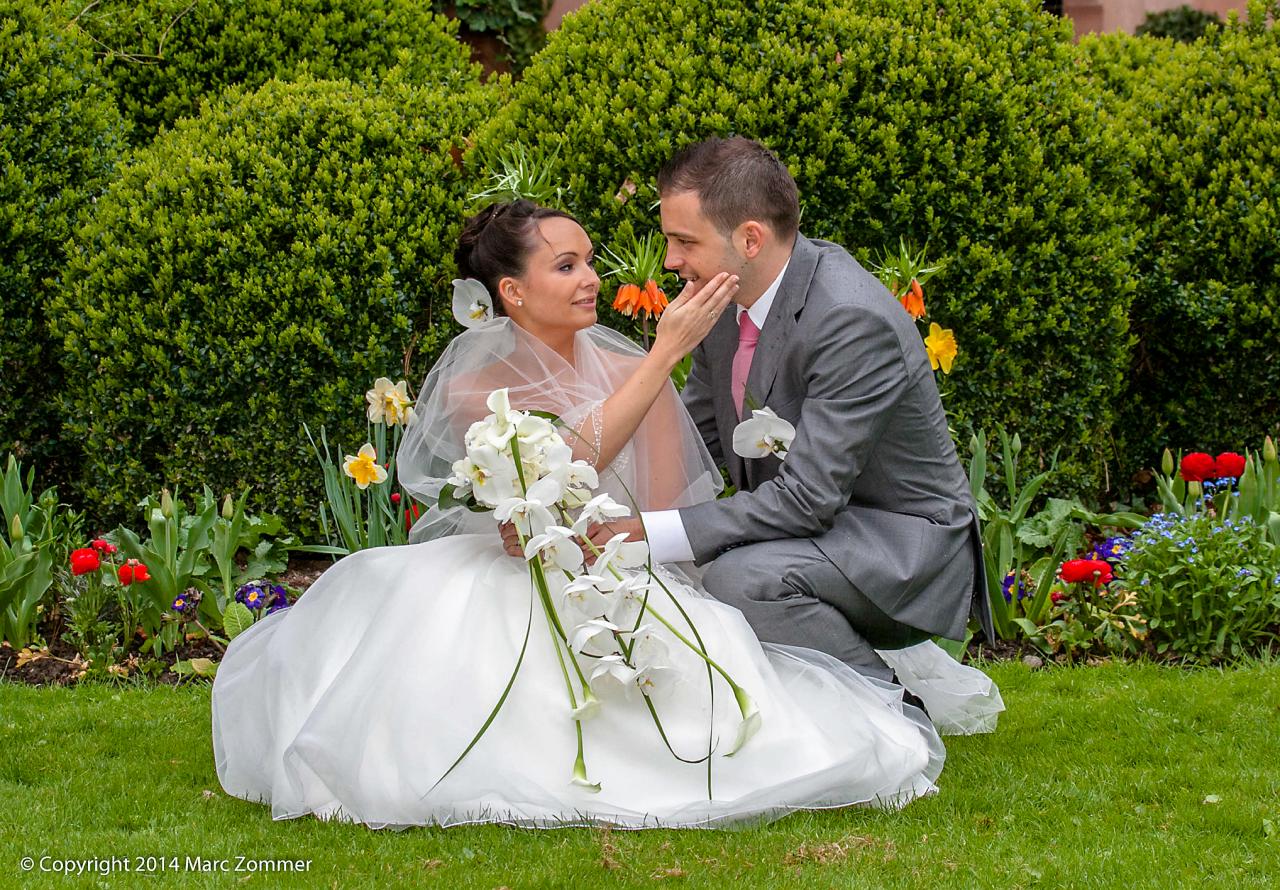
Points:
[[60, 136], [255, 269], [964, 125], [163, 57], [1184, 23], [1206, 121]]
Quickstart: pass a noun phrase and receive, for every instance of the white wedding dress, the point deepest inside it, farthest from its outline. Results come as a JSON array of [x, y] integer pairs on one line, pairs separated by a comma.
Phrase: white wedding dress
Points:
[[356, 702]]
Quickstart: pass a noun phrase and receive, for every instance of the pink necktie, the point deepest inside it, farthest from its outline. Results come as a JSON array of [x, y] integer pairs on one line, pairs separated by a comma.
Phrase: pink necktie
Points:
[[748, 337]]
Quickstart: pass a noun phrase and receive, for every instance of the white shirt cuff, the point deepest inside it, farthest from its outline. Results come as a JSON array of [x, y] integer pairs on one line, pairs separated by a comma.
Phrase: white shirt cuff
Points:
[[667, 539]]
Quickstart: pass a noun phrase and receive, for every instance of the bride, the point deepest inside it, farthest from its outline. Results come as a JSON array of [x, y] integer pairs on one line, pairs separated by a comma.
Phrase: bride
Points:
[[415, 685]]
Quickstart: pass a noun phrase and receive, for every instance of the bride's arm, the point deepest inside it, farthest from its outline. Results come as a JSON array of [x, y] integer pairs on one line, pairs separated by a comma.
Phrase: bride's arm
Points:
[[686, 322]]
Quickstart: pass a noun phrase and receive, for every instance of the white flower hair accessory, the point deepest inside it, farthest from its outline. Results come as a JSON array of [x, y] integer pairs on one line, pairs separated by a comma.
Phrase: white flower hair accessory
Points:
[[762, 434], [472, 304]]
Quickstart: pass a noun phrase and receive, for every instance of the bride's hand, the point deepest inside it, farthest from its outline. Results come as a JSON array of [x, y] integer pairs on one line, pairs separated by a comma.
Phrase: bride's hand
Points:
[[691, 315], [510, 539]]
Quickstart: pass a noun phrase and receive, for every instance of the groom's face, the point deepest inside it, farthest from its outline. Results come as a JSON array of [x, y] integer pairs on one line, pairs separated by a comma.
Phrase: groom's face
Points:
[[696, 249]]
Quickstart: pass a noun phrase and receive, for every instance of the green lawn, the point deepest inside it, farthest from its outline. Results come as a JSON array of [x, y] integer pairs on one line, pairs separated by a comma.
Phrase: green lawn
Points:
[[1115, 776]]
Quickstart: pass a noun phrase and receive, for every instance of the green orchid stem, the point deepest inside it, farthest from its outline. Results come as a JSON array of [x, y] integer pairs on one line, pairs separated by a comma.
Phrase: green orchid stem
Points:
[[645, 607], [556, 630], [739, 694], [738, 691]]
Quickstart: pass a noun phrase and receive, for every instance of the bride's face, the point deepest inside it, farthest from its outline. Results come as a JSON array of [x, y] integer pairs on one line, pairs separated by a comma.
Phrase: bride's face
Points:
[[559, 286]]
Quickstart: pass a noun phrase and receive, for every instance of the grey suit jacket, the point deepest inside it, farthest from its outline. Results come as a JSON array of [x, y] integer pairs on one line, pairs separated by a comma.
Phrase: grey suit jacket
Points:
[[872, 476]]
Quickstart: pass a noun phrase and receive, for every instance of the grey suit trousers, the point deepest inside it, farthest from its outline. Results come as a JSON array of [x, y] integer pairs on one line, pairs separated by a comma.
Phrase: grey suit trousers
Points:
[[791, 593]]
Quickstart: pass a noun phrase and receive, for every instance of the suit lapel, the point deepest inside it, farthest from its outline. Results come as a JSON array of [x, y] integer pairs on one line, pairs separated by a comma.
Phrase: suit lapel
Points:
[[775, 338]]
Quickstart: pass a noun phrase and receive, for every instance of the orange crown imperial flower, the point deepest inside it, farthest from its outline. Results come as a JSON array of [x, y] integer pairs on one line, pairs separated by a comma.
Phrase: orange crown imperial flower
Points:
[[913, 300], [632, 300]]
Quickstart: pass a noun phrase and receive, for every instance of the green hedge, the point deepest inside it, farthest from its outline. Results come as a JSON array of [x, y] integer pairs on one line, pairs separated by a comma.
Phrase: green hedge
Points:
[[254, 269], [163, 57], [1206, 123], [964, 125], [1184, 23], [60, 136]]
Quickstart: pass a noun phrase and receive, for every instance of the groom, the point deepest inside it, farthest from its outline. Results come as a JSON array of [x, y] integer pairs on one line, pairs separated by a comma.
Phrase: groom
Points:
[[866, 537]]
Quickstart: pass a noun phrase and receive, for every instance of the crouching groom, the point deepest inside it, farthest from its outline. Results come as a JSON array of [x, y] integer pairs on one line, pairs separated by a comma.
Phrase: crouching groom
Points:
[[866, 536]]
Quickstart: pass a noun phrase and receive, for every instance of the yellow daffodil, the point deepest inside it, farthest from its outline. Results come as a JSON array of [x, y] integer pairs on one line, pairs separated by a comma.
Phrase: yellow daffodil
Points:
[[942, 348], [364, 467], [389, 403]]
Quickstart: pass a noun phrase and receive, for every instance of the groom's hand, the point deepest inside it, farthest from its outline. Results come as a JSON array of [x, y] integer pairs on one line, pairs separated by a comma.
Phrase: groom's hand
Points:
[[600, 533]]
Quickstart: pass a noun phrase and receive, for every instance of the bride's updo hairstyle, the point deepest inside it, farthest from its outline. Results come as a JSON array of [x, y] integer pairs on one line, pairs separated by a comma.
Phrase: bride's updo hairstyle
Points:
[[497, 241]]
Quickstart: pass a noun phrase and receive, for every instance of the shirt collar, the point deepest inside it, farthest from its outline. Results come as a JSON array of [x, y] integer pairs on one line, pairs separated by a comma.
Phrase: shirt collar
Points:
[[759, 310]]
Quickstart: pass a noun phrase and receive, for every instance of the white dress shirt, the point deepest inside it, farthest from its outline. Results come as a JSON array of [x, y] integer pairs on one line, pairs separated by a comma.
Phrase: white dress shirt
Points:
[[668, 541]]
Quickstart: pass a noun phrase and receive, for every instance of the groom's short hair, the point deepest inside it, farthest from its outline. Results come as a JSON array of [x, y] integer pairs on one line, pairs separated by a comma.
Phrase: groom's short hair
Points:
[[735, 179]]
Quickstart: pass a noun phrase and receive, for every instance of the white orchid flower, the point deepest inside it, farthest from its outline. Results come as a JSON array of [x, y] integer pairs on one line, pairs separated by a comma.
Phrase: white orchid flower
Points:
[[531, 513], [627, 598], [762, 434], [621, 553], [589, 594], [575, 498], [493, 478], [600, 508], [611, 672], [536, 432], [461, 477], [477, 434], [570, 472], [648, 648], [596, 633], [557, 547], [472, 304], [655, 678]]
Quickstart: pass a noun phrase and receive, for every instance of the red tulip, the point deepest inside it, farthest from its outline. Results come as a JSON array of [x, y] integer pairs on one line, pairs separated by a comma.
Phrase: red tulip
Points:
[[1229, 465], [395, 497], [103, 545], [132, 571], [1074, 571], [410, 515], [1197, 467], [84, 561]]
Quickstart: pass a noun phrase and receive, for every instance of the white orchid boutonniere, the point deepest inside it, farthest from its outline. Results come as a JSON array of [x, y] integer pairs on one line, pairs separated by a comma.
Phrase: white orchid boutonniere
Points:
[[472, 304], [762, 434]]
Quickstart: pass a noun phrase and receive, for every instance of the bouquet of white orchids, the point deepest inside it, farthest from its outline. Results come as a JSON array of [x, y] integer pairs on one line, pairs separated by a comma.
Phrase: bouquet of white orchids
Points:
[[607, 623]]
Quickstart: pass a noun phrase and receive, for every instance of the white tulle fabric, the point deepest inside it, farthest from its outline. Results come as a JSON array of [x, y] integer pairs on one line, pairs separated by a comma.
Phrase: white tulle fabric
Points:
[[961, 700], [354, 702], [663, 466]]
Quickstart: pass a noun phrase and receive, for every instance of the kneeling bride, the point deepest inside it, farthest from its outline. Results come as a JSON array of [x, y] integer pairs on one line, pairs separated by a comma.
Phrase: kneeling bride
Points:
[[446, 682]]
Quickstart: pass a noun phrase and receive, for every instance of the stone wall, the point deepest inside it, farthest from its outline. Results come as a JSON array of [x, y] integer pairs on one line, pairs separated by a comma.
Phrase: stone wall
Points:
[[1125, 15]]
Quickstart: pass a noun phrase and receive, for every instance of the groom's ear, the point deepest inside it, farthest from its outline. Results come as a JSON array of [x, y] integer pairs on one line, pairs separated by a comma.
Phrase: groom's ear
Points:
[[751, 237]]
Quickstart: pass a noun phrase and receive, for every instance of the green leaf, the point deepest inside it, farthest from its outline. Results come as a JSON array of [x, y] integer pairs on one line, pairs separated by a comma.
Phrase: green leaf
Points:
[[236, 619]]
